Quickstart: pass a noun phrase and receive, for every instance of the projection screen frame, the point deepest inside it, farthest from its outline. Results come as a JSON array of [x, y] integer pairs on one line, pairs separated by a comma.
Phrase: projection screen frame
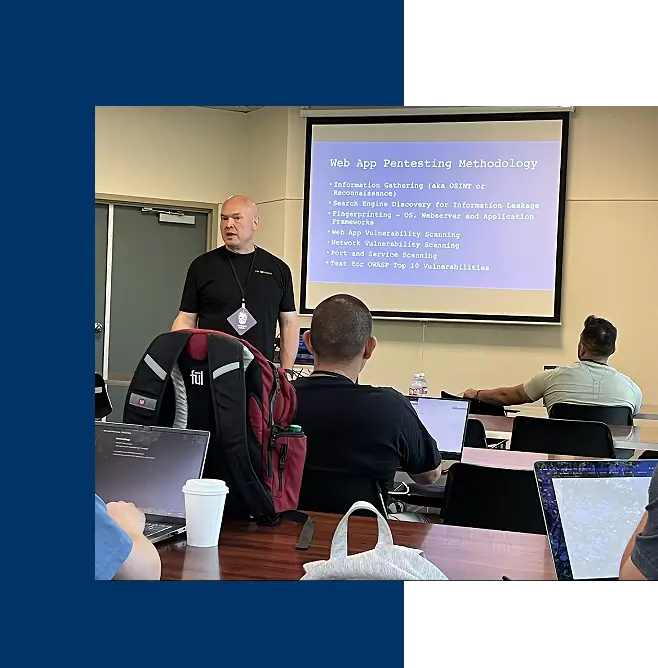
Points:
[[563, 116]]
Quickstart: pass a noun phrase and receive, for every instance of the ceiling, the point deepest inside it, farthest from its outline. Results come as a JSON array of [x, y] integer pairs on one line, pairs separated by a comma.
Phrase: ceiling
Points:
[[243, 110]]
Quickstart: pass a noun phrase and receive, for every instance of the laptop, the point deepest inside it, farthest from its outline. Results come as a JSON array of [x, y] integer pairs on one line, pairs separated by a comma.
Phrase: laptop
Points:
[[591, 509], [148, 466], [304, 355], [445, 420]]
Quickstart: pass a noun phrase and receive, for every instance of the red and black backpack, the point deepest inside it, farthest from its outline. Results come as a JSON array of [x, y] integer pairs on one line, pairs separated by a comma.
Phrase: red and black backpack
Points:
[[198, 379]]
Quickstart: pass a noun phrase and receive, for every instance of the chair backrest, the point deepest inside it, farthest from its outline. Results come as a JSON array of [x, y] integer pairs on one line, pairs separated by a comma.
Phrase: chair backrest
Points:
[[484, 497], [476, 436], [325, 492], [618, 415], [103, 405], [478, 407], [562, 437]]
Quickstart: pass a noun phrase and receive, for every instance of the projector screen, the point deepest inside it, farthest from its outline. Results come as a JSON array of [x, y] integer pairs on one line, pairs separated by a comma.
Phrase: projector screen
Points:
[[437, 218]]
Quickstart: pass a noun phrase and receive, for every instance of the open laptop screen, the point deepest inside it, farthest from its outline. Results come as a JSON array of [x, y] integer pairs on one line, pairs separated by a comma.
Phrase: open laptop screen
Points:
[[304, 356], [147, 466], [591, 510], [445, 420]]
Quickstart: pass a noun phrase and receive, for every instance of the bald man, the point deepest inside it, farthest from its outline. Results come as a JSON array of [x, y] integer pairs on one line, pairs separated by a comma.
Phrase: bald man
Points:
[[241, 289]]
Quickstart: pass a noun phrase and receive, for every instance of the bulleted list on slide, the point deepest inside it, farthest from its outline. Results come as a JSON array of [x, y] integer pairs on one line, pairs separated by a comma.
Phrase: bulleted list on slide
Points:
[[449, 214]]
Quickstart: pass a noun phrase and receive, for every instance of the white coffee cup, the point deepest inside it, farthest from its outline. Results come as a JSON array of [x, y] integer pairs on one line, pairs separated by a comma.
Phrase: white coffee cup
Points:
[[204, 509]]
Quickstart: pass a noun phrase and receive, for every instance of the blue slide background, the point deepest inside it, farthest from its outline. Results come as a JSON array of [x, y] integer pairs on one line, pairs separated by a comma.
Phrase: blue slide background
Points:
[[519, 254]]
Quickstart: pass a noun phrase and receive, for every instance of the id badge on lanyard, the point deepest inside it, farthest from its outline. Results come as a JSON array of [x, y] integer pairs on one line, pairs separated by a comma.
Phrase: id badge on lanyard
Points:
[[242, 321]]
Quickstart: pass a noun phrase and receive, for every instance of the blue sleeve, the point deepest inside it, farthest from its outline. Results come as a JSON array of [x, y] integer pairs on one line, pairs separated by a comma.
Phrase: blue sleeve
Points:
[[113, 544]]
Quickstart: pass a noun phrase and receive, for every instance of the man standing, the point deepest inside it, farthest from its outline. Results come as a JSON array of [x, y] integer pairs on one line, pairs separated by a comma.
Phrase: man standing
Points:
[[240, 289]]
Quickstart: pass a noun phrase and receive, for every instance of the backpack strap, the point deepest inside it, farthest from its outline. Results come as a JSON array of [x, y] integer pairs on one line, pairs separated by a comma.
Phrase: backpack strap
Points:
[[226, 365], [144, 398], [308, 528]]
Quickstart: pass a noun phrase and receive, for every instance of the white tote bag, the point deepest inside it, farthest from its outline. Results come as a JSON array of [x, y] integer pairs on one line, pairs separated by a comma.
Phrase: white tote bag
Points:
[[386, 561]]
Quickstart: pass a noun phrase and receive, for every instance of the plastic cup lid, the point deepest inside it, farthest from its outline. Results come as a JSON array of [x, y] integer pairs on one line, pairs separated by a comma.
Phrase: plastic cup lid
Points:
[[205, 486]]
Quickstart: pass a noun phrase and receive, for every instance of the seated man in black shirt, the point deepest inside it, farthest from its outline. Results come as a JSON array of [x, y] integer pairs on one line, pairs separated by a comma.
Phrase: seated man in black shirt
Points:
[[358, 435]]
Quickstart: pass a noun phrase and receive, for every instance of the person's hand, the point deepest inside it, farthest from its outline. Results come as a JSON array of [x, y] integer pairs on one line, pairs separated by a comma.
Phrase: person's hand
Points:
[[470, 394], [130, 518]]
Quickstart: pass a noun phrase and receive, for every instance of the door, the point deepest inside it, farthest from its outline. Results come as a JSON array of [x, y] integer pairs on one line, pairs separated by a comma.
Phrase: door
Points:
[[149, 264], [101, 269]]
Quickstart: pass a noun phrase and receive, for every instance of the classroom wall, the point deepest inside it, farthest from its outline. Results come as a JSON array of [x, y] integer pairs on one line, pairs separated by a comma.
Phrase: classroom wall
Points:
[[611, 244], [190, 154]]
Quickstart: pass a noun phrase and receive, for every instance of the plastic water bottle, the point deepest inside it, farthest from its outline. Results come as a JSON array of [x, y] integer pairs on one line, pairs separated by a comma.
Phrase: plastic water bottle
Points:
[[418, 385]]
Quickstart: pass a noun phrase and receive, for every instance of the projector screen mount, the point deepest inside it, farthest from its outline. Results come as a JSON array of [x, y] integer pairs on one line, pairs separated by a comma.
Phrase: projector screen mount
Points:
[[437, 218]]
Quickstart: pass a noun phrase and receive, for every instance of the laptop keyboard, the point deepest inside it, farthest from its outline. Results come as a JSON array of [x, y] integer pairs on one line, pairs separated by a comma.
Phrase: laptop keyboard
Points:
[[151, 528]]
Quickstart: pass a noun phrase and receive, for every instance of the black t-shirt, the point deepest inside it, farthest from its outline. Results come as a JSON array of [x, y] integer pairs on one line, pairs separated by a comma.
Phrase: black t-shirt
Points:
[[212, 292], [357, 435]]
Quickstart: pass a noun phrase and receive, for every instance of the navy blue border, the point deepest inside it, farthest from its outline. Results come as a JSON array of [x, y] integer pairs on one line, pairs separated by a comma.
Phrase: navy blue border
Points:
[[547, 471], [65, 59], [463, 118]]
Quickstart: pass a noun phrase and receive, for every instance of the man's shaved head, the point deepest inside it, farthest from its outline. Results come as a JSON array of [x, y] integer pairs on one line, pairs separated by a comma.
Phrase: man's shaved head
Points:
[[241, 201], [238, 223], [340, 329]]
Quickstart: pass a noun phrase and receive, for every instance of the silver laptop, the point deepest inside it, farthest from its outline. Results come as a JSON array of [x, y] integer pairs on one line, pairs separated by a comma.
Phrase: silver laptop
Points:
[[445, 420], [591, 509], [148, 466]]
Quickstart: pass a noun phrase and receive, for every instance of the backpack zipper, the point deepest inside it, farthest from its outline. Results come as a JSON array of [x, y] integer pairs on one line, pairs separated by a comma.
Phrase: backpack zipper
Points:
[[282, 464], [273, 429]]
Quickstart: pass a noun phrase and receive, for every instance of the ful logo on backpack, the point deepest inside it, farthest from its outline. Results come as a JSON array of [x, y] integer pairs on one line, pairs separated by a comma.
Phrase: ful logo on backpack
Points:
[[197, 377]]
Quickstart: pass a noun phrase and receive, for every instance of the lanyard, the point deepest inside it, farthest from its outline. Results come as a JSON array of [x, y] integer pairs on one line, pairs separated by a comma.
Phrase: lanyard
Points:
[[243, 291]]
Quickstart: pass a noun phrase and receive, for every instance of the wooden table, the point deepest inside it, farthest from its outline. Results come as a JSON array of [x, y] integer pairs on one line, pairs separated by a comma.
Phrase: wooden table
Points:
[[513, 459], [646, 433], [247, 552]]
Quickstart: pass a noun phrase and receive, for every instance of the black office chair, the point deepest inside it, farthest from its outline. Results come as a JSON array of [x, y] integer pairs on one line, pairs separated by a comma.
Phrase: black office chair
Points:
[[103, 405], [478, 407], [616, 415], [484, 497], [562, 437], [476, 436], [649, 454]]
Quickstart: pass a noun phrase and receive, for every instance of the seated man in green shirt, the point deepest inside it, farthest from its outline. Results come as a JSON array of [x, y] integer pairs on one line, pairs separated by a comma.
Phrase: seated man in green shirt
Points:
[[590, 381]]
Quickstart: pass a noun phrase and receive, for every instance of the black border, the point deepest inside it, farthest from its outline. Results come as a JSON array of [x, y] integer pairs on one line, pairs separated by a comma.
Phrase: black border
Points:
[[453, 118], [545, 471]]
